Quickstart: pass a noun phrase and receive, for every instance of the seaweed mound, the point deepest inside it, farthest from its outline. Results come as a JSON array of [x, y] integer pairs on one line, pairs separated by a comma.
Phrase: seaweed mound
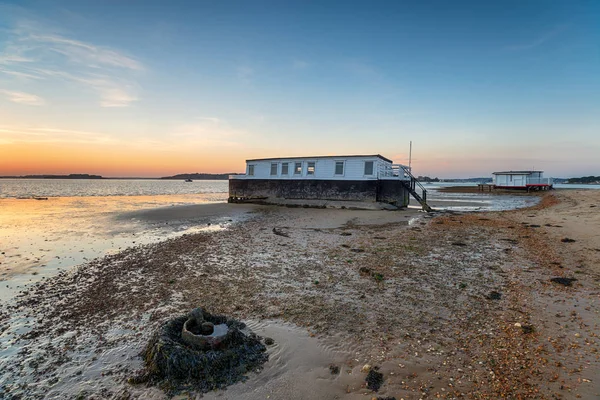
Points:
[[374, 379], [563, 281], [174, 365]]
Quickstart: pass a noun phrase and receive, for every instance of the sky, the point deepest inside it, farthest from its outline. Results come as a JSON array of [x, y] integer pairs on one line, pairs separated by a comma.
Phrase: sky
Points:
[[154, 88]]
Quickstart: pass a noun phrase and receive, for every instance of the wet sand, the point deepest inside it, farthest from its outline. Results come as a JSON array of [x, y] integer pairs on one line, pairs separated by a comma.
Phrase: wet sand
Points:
[[39, 238], [446, 305], [468, 198], [197, 213], [476, 190]]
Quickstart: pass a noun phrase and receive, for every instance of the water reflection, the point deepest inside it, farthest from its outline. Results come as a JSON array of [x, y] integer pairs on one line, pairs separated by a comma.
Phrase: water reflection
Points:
[[28, 188], [39, 238]]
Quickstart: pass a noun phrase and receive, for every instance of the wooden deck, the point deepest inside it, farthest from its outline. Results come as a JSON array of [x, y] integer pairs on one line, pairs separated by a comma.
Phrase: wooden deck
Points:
[[483, 186]]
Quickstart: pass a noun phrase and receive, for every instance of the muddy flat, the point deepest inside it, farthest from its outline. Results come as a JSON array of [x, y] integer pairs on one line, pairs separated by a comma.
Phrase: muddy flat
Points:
[[192, 212]]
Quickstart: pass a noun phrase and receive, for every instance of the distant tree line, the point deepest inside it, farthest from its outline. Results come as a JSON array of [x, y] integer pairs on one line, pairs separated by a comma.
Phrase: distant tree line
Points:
[[70, 176], [197, 176], [466, 180], [427, 179], [585, 180]]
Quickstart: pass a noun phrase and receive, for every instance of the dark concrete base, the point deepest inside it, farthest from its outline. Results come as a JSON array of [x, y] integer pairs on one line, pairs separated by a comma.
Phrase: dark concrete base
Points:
[[392, 192]]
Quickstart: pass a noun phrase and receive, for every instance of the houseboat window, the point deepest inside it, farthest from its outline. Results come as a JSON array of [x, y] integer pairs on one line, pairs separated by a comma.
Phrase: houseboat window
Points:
[[368, 167], [273, 168], [298, 168], [310, 169], [251, 170], [511, 178], [284, 168], [339, 168]]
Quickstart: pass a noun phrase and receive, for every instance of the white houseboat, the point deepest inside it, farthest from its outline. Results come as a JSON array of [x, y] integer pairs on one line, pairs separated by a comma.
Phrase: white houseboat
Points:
[[367, 178], [530, 180]]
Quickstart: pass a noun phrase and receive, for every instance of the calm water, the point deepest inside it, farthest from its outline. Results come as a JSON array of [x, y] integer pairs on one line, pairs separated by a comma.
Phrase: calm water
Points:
[[27, 188], [566, 186], [474, 201], [482, 201], [81, 220]]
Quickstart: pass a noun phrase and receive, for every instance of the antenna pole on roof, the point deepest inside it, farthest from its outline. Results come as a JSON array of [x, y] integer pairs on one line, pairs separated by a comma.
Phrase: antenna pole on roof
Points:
[[410, 155]]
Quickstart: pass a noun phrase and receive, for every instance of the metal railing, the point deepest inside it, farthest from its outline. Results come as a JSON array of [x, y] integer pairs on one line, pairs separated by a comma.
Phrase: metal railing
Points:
[[540, 181], [414, 183], [403, 173], [394, 171]]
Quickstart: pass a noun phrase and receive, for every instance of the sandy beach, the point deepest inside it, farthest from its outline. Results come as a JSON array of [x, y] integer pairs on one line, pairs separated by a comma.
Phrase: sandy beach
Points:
[[445, 305]]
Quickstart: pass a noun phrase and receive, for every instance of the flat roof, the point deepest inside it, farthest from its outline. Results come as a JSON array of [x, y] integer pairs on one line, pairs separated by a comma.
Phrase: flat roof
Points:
[[514, 172], [312, 157]]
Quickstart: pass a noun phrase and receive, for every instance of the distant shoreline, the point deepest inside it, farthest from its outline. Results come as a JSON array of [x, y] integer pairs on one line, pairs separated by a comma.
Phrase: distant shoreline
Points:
[[48, 176], [201, 177]]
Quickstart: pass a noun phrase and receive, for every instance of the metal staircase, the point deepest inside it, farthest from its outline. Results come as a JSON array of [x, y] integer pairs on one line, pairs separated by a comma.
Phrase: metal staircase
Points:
[[412, 186], [409, 182]]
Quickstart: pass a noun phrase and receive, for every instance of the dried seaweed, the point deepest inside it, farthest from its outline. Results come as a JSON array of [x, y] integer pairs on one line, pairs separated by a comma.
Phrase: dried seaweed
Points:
[[374, 379], [174, 366]]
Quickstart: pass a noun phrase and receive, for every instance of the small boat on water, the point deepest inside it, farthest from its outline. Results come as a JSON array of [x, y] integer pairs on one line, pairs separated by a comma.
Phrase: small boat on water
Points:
[[189, 180]]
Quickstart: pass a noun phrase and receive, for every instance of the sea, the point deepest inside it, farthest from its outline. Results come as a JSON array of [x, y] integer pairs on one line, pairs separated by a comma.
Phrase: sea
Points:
[[215, 190], [483, 201], [49, 225]]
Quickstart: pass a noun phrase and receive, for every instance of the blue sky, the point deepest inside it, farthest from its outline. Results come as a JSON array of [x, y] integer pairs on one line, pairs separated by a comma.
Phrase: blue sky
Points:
[[151, 88]]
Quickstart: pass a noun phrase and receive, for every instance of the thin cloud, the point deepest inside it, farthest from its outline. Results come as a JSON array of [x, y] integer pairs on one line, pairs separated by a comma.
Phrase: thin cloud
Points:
[[23, 98], [65, 131], [112, 94], [18, 74], [207, 132], [85, 53], [32, 54], [13, 58], [116, 97], [210, 119], [52, 135]]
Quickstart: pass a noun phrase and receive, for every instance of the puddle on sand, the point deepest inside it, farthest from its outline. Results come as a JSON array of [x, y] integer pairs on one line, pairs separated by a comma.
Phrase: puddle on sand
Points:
[[298, 368], [475, 201], [72, 365]]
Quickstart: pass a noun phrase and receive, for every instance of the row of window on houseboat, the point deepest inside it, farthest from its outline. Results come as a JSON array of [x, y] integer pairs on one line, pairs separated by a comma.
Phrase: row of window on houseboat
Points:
[[310, 168]]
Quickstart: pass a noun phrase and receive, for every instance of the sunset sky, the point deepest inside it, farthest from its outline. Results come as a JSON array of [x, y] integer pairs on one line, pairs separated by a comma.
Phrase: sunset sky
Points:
[[154, 88]]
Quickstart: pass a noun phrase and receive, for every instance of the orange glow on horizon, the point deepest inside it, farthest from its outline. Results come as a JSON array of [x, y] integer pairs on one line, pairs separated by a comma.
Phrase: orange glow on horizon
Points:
[[37, 159], [138, 160]]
